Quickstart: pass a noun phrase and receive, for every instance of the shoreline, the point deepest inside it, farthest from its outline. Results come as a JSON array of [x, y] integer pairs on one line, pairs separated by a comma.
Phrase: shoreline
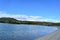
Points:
[[52, 36]]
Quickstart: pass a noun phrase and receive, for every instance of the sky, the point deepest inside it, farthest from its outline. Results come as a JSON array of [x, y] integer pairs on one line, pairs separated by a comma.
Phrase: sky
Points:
[[31, 10]]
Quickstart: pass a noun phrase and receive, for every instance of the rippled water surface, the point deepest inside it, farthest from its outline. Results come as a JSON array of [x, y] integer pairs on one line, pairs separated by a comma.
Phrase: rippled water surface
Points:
[[23, 32]]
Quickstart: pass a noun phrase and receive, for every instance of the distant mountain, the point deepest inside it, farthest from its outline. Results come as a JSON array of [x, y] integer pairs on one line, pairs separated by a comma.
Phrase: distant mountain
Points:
[[14, 21]]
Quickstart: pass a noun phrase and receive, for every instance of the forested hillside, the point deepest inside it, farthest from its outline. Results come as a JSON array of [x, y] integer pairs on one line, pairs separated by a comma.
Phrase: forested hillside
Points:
[[14, 21]]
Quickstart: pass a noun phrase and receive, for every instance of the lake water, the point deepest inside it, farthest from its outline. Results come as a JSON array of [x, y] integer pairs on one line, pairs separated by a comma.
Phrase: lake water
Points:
[[23, 32]]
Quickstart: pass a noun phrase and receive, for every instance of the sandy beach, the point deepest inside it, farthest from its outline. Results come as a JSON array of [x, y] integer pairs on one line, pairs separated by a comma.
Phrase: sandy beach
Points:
[[52, 36]]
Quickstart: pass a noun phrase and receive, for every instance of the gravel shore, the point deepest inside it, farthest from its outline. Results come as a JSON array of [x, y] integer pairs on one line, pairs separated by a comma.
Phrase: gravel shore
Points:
[[52, 36]]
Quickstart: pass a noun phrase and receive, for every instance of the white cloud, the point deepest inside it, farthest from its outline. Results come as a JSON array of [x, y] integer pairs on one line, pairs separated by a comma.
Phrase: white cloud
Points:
[[27, 18]]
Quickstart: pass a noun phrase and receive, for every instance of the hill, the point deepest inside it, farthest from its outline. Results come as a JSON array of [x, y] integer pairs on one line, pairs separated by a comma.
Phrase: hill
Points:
[[14, 21]]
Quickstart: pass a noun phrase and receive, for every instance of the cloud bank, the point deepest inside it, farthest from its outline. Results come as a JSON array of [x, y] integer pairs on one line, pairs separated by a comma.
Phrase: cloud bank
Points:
[[27, 18]]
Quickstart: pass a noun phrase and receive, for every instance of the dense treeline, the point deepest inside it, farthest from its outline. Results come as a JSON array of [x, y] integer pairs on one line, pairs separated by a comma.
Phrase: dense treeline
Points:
[[14, 21]]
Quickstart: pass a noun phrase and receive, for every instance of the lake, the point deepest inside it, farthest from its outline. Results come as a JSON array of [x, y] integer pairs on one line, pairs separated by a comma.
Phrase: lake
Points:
[[23, 32]]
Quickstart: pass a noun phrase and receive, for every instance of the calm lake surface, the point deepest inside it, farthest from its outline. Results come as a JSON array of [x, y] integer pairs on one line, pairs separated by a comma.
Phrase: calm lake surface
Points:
[[23, 32]]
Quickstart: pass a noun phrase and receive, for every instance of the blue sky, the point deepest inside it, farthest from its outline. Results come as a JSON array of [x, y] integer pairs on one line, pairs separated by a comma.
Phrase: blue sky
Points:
[[47, 9]]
